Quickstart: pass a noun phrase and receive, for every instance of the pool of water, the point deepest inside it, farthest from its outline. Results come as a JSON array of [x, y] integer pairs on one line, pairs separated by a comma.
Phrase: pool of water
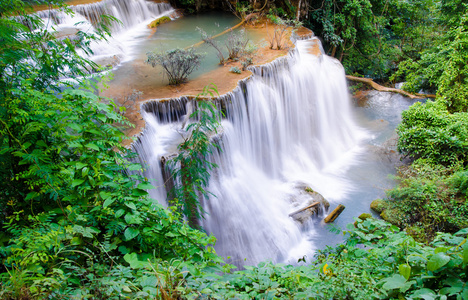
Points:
[[179, 33], [371, 176]]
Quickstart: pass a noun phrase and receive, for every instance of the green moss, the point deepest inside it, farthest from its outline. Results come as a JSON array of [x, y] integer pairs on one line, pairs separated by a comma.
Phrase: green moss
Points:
[[363, 217], [378, 205], [309, 190], [159, 21], [393, 216]]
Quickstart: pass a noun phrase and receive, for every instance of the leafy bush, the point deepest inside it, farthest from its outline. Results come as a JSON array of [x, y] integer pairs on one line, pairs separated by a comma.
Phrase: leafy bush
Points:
[[191, 168], [377, 262], [428, 199], [177, 64], [429, 131], [71, 204], [235, 70], [237, 45]]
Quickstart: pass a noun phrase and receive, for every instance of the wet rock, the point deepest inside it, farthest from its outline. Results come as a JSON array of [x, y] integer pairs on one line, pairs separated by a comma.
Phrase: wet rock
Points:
[[315, 205], [378, 205], [159, 21], [318, 197]]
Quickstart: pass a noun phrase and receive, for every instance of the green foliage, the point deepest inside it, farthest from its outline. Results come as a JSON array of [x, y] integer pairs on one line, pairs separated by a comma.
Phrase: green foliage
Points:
[[371, 37], [235, 70], [191, 167], [177, 64], [429, 199], [71, 204], [377, 262], [441, 65], [429, 131]]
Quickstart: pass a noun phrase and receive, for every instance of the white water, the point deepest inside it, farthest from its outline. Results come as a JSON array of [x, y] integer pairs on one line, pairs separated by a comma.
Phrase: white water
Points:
[[286, 129], [134, 16]]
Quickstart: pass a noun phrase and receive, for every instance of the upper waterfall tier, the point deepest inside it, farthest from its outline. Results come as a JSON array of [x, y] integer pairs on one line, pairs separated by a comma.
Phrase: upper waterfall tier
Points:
[[128, 12], [287, 127]]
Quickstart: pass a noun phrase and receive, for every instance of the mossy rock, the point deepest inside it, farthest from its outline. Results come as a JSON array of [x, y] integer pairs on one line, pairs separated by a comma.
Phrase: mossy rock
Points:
[[392, 216], [159, 21], [363, 216], [379, 205]]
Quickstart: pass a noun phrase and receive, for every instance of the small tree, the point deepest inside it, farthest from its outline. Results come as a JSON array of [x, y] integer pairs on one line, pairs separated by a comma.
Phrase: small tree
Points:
[[177, 63], [237, 45], [210, 41]]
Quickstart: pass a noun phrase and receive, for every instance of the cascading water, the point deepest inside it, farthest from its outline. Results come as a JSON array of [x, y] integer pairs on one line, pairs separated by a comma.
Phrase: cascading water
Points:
[[133, 17], [287, 127]]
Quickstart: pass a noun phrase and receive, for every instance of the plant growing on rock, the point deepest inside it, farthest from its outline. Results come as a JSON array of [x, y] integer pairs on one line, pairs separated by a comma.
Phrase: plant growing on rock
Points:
[[235, 70], [177, 63]]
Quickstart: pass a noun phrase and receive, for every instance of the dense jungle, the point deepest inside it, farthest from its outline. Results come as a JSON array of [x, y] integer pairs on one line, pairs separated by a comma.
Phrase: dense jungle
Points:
[[78, 219]]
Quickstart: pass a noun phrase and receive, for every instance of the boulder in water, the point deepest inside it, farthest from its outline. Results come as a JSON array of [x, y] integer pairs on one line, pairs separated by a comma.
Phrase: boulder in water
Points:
[[318, 197], [159, 21], [378, 205], [315, 205]]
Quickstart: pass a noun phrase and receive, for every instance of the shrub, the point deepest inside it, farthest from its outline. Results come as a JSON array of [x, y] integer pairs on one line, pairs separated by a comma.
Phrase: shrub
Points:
[[177, 64], [429, 198], [429, 131], [235, 70], [237, 45]]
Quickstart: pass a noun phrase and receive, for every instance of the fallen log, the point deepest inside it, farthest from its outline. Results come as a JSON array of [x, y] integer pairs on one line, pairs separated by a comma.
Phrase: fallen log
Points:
[[334, 214], [303, 209], [381, 88], [218, 35]]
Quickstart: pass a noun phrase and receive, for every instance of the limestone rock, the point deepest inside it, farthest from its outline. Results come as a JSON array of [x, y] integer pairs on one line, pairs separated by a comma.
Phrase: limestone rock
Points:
[[159, 21], [314, 206]]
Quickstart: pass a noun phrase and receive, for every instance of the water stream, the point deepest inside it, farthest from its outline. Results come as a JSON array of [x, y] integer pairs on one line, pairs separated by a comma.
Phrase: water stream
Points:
[[291, 125]]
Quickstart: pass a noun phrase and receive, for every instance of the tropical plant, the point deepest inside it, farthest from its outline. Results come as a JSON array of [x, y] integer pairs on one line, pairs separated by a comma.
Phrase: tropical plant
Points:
[[71, 205], [191, 167]]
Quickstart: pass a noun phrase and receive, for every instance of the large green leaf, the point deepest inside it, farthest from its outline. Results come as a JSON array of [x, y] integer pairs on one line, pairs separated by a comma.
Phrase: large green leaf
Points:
[[145, 186], [131, 233], [394, 282], [437, 261], [405, 270], [426, 294], [108, 202], [77, 182]]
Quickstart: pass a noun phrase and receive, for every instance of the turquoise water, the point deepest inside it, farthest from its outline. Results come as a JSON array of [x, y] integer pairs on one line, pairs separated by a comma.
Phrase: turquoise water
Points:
[[179, 33]]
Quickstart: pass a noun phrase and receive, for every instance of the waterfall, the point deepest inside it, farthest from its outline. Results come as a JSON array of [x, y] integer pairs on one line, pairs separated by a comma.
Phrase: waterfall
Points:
[[132, 16], [287, 127]]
